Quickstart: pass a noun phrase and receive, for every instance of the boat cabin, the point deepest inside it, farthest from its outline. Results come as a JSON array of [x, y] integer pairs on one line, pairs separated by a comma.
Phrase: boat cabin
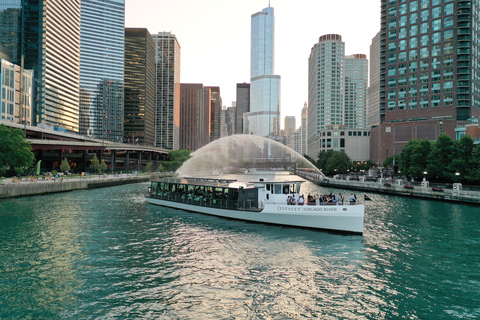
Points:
[[222, 193]]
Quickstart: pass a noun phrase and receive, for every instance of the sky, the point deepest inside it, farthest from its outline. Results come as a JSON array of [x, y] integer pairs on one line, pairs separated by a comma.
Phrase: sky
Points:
[[214, 37]]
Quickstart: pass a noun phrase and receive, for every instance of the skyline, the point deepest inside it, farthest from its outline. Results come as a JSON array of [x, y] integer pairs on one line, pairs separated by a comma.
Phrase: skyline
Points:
[[297, 29]]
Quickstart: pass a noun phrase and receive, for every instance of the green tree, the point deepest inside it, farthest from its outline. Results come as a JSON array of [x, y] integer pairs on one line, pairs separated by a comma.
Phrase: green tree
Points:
[[65, 166], [463, 161], [103, 166], [339, 162], [148, 166], [391, 162], [441, 156], [96, 164], [15, 150], [179, 155], [323, 158], [413, 159]]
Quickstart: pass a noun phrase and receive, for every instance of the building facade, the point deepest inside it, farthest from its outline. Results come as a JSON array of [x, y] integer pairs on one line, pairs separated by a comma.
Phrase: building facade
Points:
[[373, 104], [195, 124], [102, 69], [429, 71], [289, 127], [243, 105], [139, 94], [215, 112], [16, 95], [263, 119], [356, 91], [326, 88], [304, 130], [354, 142], [167, 106]]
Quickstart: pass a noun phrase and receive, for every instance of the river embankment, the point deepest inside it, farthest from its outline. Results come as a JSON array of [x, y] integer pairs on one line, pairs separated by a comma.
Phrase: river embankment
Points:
[[399, 188], [19, 187]]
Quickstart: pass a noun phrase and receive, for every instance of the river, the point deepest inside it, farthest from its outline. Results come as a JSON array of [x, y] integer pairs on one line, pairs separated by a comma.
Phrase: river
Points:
[[107, 254]]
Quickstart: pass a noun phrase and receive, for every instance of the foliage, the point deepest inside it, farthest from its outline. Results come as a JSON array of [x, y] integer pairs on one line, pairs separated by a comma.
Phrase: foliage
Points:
[[65, 166], [148, 166], [413, 159], [390, 162], [160, 167], [96, 164], [440, 158], [338, 162], [309, 159], [54, 173], [463, 162], [15, 151], [323, 158], [170, 165], [179, 155], [103, 166]]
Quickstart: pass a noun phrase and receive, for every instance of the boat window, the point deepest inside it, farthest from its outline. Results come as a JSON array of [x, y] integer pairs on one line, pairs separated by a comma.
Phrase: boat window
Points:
[[225, 193], [218, 194], [286, 188], [174, 188], [181, 188], [166, 187], [268, 187], [278, 189], [234, 194], [293, 188], [154, 185]]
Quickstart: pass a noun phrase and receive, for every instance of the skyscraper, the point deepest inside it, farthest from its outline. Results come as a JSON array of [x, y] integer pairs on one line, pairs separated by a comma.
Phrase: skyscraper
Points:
[[429, 71], [290, 127], [195, 116], [102, 69], [167, 107], [243, 105], [215, 112], [373, 105], [356, 88], [326, 88], [139, 105], [264, 116]]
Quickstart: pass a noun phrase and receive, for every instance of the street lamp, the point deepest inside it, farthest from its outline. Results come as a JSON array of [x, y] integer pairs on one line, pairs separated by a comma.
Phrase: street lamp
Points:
[[457, 176], [425, 175]]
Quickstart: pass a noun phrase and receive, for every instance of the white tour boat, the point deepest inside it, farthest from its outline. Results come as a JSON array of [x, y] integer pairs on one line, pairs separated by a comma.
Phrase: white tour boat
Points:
[[262, 201]]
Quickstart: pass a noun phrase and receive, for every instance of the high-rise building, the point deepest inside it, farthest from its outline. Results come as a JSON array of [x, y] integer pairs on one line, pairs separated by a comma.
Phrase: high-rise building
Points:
[[373, 104], [243, 105], [326, 88], [304, 130], [230, 119], [215, 112], [195, 101], [139, 101], [356, 88], [429, 71], [102, 69], [290, 127], [16, 96], [264, 116], [167, 107]]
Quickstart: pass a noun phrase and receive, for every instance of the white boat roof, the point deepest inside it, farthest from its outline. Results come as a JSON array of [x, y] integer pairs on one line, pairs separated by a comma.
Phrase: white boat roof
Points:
[[225, 183]]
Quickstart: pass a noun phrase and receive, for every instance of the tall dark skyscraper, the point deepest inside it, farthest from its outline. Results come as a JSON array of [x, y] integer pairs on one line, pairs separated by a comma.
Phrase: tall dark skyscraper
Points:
[[102, 68], [243, 105], [139, 105], [429, 71]]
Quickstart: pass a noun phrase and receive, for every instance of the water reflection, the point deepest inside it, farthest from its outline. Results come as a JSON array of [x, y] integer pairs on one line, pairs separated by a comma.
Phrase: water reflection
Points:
[[107, 254]]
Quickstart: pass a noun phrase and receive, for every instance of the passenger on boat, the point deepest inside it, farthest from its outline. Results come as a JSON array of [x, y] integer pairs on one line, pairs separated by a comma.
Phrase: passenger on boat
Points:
[[334, 200], [352, 199], [340, 200], [289, 200], [301, 201], [293, 200], [317, 199]]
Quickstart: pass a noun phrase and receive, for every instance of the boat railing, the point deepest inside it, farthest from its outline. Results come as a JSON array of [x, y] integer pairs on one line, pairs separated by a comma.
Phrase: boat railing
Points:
[[207, 202]]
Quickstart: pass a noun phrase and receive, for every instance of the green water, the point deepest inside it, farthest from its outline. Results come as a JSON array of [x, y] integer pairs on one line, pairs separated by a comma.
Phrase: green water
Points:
[[107, 254]]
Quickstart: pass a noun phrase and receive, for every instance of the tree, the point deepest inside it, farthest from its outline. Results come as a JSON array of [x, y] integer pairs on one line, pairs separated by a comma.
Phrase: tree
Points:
[[96, 164], [390, 162], [179, 155], [323, 158], [439, 159], [148, 166], [413, 159], [463, 161], [103, 166], [65, 166], [15, 150], [339, 162]]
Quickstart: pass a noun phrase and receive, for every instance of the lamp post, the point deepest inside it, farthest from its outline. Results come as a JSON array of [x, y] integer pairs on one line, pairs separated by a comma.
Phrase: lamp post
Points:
[[425, 175], [457, 176]]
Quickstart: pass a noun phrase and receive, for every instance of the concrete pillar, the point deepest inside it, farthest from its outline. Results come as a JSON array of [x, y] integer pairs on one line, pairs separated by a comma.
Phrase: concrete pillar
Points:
[[113, 163], [84, 161], [127, 160]]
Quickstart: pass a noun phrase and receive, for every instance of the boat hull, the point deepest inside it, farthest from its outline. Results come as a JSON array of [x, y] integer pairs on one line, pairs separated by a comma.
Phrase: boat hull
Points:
[[346, 218]]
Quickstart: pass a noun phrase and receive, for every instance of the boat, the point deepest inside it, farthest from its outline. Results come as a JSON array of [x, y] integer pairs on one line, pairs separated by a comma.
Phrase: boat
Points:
[[259, 201]]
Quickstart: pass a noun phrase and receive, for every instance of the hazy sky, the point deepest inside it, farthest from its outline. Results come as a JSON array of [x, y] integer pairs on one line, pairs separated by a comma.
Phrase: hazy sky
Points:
[[214, 36]]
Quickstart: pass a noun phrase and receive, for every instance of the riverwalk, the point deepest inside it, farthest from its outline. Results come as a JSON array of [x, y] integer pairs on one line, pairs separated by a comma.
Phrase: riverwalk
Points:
[[18, 187], [400, 187]]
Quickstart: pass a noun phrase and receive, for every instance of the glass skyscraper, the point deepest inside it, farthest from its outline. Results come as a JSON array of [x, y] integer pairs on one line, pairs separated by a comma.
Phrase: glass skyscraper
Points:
[[356, 91], [264, 116], [102, 69]]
